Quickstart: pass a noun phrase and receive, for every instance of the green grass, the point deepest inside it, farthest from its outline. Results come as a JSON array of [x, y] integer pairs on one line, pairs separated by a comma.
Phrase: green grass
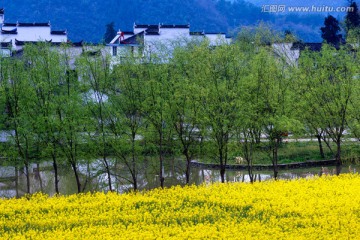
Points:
[[298, 152]]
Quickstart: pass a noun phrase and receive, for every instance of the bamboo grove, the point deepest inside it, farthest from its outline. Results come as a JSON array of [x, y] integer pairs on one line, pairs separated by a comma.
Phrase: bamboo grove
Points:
[[203, 100]]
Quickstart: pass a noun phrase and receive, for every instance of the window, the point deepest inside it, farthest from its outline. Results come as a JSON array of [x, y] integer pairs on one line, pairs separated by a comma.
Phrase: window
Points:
[[114, 51]]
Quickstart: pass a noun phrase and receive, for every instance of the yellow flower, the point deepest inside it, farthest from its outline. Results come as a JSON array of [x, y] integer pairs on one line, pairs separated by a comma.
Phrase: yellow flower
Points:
[[325, 208]]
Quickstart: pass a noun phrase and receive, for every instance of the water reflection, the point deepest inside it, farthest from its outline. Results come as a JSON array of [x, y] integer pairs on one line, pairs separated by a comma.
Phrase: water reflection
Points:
[[94, 178]]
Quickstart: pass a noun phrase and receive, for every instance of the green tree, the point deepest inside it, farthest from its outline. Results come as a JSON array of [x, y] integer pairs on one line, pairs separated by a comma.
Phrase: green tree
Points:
[[94, 72], [353, 37], [18, 99], [156, 111], [330, 32], [45, 76], [328, 85], [110, 32], [352, 18], [266, 101], [275, 103], [184, 105], [127, 122], [217, 72], [250, 121], [72, 121]]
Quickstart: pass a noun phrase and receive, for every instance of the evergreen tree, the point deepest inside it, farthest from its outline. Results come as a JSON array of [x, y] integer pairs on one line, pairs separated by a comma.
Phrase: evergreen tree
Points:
[[330, 31], [352, 19], [110, 32]]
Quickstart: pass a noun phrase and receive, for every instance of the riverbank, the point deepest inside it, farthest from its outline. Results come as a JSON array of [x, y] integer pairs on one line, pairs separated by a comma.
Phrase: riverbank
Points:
[[305, 164]]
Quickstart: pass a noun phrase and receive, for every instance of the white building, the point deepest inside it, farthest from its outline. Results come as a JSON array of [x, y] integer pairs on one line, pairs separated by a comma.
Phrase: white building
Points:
[[290, 52], [15, 35], [147, 39]]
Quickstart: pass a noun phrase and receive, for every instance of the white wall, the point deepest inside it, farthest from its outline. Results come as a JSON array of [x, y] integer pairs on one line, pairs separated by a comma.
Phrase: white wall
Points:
[[8, 38], [34, 33], [58, 38], [173, 34], [163, 43], [216, 39], [284, 50]]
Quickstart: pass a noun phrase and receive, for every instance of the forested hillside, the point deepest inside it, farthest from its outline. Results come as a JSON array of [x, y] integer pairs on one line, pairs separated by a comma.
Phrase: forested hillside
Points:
[[86, 19]]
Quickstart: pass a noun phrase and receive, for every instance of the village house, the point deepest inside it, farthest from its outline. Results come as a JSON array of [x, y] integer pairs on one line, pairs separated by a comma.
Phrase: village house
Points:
[[14, 36], [145, 39], [291, 51], [142, 41]]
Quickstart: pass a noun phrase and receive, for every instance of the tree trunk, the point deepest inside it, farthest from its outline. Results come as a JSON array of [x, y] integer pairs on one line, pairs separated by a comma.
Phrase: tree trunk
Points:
[[108, 173], [338, 157], [222, 173], [320, 146], [161, 176], [17, 181], [222, 166], [37, 175], [133, 172], [275, 158], [258, 137], [73, 165], [56, 174], [251, 174], [27, 173], [135, 182], [187, 172], [248, 158]]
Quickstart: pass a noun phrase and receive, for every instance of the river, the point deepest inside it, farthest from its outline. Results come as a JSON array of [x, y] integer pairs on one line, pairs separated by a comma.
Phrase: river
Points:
[[93, 179]]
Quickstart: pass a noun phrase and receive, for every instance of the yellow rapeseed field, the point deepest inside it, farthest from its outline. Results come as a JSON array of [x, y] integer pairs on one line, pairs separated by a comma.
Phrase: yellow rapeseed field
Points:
[[319, 208]]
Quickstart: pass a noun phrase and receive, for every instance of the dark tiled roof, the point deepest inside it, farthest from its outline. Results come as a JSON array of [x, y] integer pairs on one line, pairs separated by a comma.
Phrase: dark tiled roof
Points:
[[1, 10], [152, 31], [62, 32], [22, 43], [303, 46], [91, 53], [56, 43], [136, 39], [197, 33], [76, 44], [13, 31], [128, 32], [214, 33], [175, 26], [9, 24], [145, 26], [34, 24], [6, 44], [26, 24]]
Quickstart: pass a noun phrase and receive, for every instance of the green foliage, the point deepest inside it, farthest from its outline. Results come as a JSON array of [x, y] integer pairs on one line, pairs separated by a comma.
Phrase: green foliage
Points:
[[213, 102], [353, 37], [110, 32], [330, 31], [328, 87], [352, 18]]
